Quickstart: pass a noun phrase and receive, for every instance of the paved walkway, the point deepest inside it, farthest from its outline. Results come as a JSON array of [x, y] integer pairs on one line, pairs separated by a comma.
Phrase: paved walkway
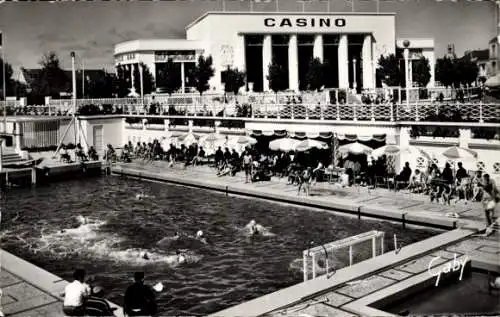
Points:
[[382, 203], [29, 291]]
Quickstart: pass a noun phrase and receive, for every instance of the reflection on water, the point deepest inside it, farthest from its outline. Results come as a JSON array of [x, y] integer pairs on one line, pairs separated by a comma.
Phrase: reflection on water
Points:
[[99, 223]]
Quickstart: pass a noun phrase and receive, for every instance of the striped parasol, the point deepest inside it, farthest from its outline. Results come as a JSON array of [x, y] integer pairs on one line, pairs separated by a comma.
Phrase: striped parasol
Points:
[[310, 144], [459, 153], [283, 144], [355, 148]]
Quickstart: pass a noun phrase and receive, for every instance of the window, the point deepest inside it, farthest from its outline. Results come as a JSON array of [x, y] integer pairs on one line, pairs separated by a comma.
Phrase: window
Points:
[[496, 168], [480, 166], [421, 163]]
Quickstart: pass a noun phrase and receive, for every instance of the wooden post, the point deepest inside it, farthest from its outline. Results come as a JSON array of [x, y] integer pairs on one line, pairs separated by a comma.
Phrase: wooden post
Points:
[[374, 246], [33, 176], [314, 265], [304, 264], [382, 240], [350, 255]]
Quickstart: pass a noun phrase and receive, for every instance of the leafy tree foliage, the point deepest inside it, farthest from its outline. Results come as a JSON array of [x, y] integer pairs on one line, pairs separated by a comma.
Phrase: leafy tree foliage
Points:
[[421, 72], [446, 72], [147, 77], [202, 73], [467, 70], [316, 75], [52, 79], [167, 77], [121, 84], [389, 70], [13, 87], [234, 80], [278, 77], [102, 87]]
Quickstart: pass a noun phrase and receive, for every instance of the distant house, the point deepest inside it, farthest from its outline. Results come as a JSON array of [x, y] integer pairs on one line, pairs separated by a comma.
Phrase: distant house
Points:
[[494, 56], [482, 59], [29, 77]]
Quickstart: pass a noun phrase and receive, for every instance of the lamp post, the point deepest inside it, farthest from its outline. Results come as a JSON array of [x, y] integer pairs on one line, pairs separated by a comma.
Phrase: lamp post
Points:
[[406, 54]]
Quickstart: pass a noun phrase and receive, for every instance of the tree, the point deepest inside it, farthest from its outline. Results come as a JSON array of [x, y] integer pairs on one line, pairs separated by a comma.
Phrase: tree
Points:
[[102, 87], [121, 83], [167, 77], [446, 72], [52, 80], [202, 73], [278, 77], [467, 70], [389, 70], [147, 77], [234, 80], [13, 87], [315, 77], [421, 72]]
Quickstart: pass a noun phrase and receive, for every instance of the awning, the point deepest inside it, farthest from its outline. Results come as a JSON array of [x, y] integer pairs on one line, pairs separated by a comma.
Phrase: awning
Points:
[[362, 138]]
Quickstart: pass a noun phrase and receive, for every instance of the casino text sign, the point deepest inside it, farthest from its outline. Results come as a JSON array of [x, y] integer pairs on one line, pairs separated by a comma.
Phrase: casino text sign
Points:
[[305, 22]]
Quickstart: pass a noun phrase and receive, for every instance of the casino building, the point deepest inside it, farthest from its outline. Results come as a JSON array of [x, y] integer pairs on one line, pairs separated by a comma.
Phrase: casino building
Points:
[[349, 43]]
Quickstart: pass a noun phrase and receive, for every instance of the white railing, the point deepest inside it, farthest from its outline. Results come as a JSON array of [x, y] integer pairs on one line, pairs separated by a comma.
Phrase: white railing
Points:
[[330, 252], [387, 112]]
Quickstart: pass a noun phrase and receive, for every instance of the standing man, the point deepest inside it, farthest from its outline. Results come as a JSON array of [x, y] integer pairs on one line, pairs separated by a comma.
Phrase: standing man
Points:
[[75, 294], [140, 300]]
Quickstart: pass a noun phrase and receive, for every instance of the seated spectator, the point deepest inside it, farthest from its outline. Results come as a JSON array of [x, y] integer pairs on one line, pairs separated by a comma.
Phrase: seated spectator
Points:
[[92, 154], [417, 182], [75, 294], [65, 158], [96, 305], [80, 154], [140, 300], [404, 176]]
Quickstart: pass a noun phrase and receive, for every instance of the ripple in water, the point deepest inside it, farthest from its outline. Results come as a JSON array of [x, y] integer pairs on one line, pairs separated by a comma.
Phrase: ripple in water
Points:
[[100, 224]]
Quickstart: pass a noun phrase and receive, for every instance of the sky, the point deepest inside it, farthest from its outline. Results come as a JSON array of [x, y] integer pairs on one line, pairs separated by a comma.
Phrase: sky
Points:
[[91, 29]]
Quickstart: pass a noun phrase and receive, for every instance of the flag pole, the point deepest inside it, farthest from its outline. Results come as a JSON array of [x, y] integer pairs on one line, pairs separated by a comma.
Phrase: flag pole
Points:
[[4, 85]]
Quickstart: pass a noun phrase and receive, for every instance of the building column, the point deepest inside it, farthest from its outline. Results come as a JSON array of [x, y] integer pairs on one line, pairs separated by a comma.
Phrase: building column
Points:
[[267, 55], [293, 63], [343, 63], [239, 52], [183, 78], [132, 77], [432, 65], [318, 47], [367, 59]]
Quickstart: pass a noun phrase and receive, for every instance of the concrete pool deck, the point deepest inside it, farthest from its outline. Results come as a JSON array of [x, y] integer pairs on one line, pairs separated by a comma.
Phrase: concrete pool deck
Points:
[[378, 203], [29, 291]]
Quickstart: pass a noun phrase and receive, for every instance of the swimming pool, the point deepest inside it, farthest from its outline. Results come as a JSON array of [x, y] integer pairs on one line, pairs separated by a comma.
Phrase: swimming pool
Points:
[[41, 226]]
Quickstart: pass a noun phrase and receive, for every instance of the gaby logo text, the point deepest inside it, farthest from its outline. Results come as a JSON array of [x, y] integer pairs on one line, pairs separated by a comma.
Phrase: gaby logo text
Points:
[[305, 22], [451, 266]]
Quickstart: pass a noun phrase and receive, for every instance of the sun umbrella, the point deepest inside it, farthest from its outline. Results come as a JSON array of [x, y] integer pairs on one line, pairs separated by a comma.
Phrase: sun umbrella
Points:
[[493, 82], [310, 144], [211, 142], [283, 144], [389, 149], [187, 139], [459, 153], [239, 143], [355, 148]]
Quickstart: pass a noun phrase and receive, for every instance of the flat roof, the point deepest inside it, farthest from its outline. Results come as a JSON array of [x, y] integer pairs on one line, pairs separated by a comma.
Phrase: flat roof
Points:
[[156, 44], [286, 13]]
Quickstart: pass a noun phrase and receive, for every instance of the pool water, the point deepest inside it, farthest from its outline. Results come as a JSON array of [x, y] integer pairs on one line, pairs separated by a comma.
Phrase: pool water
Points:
[[99, 224]]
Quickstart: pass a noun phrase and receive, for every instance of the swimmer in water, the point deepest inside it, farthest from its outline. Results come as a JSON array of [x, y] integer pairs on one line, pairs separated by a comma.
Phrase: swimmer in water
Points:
[[176, 235], [199, 237], [145, 256], [254, 229], [180, 257]]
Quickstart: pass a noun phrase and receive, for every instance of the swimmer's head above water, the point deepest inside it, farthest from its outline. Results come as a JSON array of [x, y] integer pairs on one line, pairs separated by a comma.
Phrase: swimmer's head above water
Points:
[[199, 234]]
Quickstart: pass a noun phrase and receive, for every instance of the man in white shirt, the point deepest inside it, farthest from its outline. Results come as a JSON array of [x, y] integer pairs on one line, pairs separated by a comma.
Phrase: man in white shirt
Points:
[[75, 294]]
